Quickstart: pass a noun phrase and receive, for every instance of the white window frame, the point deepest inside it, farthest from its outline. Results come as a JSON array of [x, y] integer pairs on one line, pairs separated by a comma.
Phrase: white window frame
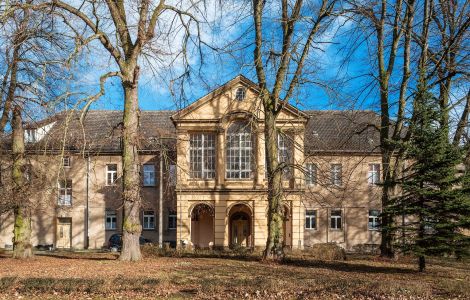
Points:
[[311, 219], [373, 174], [65, 192], [374, 220], [337, 174], [284, 153], [239, 155], [240, 94], [149, 175], [202, 155], [148, 220], [172, 220], [338, 219], [112, 173], [110, 221], [66, 161], [311, 174]]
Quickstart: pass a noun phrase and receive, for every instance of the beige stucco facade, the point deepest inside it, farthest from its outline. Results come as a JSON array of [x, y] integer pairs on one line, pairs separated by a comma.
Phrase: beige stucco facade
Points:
[[217, 211]]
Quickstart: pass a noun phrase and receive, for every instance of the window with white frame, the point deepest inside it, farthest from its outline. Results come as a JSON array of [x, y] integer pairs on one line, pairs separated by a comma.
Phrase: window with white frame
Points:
[[172, 175], [336, 174], [239, 151], [240, 94], [374, 221], [202, 155], [110, 220], [336, 219], [66, 161], [311, 219], [310, 174], [148, 219], [65, 192], [172, 220], [374, 174], [149, 175], [285, 153], [30, 135], [111, 174]]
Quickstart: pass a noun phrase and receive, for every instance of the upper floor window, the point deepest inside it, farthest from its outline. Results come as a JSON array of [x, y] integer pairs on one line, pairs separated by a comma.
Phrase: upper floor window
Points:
[[285, 153], [336, 221], [311, 219], [239, 151], [149, 219], [240, 94], [66, 161], [65, 192], [110, 220], [336, 174], [172, 175], [374, 174], [202, 155], [30, 135], [149, 175], [311, 174], [111, 174], [374, 220]]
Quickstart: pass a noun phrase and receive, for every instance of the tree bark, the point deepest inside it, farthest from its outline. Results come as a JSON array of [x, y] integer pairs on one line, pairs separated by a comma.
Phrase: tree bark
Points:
[[131, 227], [274, 249], [22, 227]]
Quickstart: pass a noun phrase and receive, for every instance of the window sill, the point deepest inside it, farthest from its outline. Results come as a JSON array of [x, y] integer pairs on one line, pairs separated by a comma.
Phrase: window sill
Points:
[[110, 229], [311, 229], [333, 229], [148, 229]]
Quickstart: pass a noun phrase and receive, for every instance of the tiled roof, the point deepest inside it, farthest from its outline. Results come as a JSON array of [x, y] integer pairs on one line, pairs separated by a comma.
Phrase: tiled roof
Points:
[[326, 131]]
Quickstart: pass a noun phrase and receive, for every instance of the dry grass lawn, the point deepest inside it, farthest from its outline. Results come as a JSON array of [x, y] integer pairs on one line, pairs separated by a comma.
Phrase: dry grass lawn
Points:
[[97, 276]]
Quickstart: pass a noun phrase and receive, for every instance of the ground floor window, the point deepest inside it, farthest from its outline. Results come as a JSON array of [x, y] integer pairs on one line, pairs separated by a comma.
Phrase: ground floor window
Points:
[[311, 219], [374, 220], [111, 220], [149, 219], [172, 220], [336, 219]]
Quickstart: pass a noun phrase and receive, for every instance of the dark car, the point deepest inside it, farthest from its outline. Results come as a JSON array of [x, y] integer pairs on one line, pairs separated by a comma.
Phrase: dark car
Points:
[[115, 241]]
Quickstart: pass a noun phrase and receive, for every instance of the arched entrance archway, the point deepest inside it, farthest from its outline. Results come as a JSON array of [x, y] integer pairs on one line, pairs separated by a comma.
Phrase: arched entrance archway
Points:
[[240, 226], [202, 226]]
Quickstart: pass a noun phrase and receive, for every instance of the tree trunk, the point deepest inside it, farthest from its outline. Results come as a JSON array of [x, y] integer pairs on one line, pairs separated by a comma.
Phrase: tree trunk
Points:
[[131, 227], [274, 248], [22, 227]]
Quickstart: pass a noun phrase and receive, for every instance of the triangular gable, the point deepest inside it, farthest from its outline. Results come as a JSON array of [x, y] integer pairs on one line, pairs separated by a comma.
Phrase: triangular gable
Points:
[[226, 87]]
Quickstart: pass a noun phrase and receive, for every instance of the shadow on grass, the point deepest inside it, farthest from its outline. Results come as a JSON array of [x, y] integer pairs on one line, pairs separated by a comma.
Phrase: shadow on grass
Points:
[[80, 256], [346, 267]]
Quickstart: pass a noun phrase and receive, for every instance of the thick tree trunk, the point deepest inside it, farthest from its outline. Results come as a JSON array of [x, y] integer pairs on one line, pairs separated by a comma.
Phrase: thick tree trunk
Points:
[[274, 248], [22, 228], [131, 226], [386, 243]]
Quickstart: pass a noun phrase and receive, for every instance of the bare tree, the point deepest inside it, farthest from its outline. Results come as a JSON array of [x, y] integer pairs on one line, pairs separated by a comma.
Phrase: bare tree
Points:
[[300, 24], [129, 32]]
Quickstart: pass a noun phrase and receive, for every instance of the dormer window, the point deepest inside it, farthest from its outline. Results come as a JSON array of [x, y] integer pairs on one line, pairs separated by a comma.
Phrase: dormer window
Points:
[[240, 94]]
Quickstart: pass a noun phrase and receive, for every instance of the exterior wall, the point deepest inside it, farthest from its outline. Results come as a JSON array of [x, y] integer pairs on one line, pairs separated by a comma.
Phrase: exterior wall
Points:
[[101, 197]]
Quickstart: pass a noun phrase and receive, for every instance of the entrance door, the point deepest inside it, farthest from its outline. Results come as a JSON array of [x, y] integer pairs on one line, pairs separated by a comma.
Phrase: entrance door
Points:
[[240, 231], [64, 233]]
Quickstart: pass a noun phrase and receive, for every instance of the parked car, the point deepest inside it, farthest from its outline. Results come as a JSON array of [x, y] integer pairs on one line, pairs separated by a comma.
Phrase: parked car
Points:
[[115, 241]]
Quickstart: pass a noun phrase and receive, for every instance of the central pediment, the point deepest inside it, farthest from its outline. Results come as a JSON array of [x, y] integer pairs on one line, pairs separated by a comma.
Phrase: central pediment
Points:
[[238, 97]]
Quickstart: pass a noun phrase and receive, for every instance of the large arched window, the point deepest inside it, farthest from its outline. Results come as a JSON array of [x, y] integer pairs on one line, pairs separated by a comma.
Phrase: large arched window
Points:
[[239, 149]]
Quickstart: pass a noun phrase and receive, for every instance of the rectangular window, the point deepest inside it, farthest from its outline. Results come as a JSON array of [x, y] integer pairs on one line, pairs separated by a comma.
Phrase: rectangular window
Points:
[[149, 219], [374, 174], [311, 219], [374, 221], [172, 175], [336, 219], [65, 192], [202, 155], [311, 174], [66, 161], [111, 220], [336, 174], [172, 220], [149, 175], [285, 154], [111, 174]]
